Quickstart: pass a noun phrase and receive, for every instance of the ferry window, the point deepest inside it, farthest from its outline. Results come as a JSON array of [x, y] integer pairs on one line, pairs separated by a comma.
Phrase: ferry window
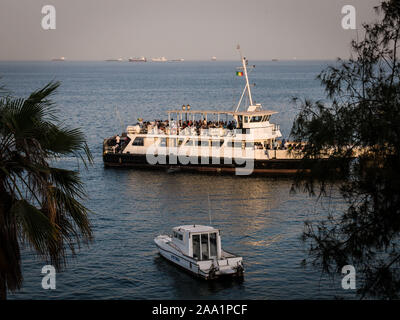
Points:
[[237, 144], [204, 247], [196, 246], [217, 143], [213, 244], [180, 141], [163, 142], [234, 144], [204, 143], [246, 119], [189, 143], [139, 141], [249, 144], [240, 121], [256, 119]]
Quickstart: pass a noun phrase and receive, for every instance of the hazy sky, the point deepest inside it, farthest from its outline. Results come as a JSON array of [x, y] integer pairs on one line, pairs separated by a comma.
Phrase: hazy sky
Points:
[[194, 30]]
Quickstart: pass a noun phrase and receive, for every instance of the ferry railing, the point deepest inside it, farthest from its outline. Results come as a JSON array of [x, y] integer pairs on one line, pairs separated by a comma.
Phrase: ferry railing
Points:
[[108, 149], [189, 131]]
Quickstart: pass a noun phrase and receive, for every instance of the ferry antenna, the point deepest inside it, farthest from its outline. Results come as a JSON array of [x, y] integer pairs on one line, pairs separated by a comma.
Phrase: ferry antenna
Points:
[[244, 66]]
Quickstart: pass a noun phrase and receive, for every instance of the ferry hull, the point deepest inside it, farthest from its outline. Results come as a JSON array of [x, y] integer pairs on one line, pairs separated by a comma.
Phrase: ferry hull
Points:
[[278, 167]]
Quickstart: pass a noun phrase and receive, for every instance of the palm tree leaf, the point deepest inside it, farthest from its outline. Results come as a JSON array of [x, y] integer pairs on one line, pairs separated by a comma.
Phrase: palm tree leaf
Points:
[[22, 116], [68, 181], [74, 211], [35, 227], [63, 141]]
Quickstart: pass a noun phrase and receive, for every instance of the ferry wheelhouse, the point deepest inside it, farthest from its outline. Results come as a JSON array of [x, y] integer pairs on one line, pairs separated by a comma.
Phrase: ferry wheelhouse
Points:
[[241, 142]]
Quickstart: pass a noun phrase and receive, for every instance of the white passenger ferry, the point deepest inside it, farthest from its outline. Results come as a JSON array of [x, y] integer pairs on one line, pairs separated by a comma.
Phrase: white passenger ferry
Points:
[[197, 249], [241, 142]]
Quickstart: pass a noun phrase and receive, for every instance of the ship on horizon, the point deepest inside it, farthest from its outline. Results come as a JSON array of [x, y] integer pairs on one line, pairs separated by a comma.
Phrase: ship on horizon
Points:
[[58, 59], [139, 59], [160, 59], [115, 60]]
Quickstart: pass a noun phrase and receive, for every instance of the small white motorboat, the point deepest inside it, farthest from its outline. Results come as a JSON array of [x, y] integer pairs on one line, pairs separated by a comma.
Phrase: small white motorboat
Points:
[[197, 249]]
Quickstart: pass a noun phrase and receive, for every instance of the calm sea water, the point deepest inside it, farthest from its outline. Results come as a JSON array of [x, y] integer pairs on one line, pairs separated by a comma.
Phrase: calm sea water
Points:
[[258, 217]]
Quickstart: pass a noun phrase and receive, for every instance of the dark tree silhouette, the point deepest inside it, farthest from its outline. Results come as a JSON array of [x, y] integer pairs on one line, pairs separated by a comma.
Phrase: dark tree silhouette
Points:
[[358, 130], [39, 203]]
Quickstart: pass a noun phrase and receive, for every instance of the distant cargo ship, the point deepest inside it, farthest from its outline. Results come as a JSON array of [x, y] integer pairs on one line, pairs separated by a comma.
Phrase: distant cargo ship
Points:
[[141, 59], [58, 59], [116, 60], [178, 60], [161, 59], [213, 58]]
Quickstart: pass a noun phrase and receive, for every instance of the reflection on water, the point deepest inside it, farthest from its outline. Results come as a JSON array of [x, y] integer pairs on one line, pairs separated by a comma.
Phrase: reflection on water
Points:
[[265, 242]]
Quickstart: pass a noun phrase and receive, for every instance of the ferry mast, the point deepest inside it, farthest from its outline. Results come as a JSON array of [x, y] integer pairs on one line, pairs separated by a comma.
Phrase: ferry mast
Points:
[[247, 87]]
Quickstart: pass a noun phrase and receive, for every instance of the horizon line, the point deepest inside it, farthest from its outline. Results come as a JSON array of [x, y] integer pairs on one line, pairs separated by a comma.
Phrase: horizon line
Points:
[[153, 62]]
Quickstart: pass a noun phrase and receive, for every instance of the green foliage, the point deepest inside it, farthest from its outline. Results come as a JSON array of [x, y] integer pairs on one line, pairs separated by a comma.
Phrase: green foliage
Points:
[[359, 132], [39, 203]]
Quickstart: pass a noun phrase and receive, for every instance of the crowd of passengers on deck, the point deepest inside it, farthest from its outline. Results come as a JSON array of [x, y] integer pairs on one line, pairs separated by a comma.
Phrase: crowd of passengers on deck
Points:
[[163, 126]]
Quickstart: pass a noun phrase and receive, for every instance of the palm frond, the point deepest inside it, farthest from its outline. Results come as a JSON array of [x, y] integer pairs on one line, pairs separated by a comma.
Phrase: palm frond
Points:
[[68, 181], [63, 141], [36, 227], [74, 210]]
